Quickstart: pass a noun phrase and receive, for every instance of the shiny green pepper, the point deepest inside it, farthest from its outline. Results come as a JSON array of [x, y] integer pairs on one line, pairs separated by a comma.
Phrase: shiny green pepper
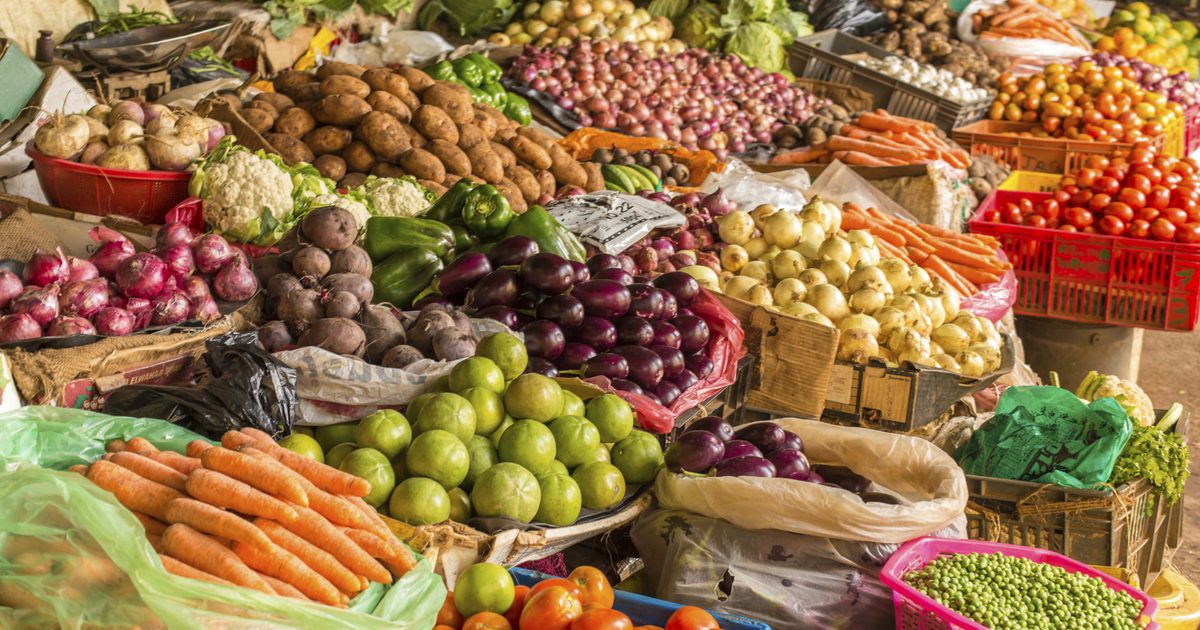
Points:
[[404, 275], [549, 234], [468, 72], [486, 212], [480, 96], [517, 108], [443, 71], [463, 238], [491, 71], [449, 206], [499, 94]]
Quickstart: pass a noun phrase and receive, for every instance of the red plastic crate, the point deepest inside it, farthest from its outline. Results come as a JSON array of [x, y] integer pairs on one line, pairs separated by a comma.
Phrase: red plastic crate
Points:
[[1095, 278]]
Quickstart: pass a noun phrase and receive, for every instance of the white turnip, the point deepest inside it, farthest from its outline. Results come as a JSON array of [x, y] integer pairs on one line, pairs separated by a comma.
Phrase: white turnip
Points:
[[125, 132], [62, 136], [168, 151], [127, 157]]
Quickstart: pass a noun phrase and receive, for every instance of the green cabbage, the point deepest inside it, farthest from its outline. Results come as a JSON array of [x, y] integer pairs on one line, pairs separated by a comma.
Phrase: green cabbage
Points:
[[791, 24], [738, 11], [700, 27], [758, 44]]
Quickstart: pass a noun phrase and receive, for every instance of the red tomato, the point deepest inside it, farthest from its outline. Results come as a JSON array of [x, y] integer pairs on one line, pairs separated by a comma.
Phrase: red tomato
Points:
[[1050, 209], [1012, 214], [486, 621], [1141, 155], [1140, 182], [1159, 197], [1188, 233], [1116, 172], [1176, 216], [1191, 207], [1147, 214], [1132, 196], [1062, 196], [1067, 227], [691, 618], [449, 615], [599, 618], [1099, 201], [1107, 185], [991, 215], [1138, 228], [1087, 177], [1025, 205], [513, 614], [1120, 210], [1111, 225], [1071, 189], [553, 608], [1182, 192], [1172, 179], [1079, 217], [563, 583], [594, 586], [1162, 230], [1081, 198], [648, 628], [1036, 220], [1150, 172]]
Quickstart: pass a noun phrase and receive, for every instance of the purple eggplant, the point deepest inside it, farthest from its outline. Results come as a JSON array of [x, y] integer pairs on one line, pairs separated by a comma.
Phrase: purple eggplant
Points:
[[685, 379], [498, 287], [596, 332], [792, 441], [740, 448], [580, 271], [695, 451], [647, 301], [682, 286], [459, 276], [713, 424], [503, 314], [573, 356], [512, 251], [547, 273], [608, 364], [616, 275], [634, 331], [602, 298], [600, 262], [745, 466], [564, 310], [627, 385], [670, 307], [538, 365], [767, 436], [666, 392], [701, 365], [645, 366], [789, 463], [543, 338], [666, 334], [693, 333], [672, 358]]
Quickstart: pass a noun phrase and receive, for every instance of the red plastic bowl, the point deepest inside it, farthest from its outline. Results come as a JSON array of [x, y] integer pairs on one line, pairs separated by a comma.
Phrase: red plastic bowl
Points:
[[144, 196]]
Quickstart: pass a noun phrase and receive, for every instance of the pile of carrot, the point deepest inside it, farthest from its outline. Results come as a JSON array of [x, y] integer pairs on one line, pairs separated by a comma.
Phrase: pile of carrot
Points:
[[964, 262], [1025, 19], [254, 514], [880, 139]]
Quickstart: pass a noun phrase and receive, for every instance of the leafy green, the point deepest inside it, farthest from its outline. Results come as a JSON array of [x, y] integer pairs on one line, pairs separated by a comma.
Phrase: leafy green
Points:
[[286, 15], [386, 7], [1160, 458], [470, 17], [738, 12], [700, 26], [791, 24], [758, 44], [670, 9]]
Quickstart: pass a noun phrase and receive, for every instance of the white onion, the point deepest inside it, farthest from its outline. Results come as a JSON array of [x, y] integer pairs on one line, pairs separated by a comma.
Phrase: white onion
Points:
[[829, 301]]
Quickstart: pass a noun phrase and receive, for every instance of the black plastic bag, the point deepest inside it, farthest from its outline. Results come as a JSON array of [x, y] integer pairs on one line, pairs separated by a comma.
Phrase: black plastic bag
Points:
[[855, 17], [249, 388]]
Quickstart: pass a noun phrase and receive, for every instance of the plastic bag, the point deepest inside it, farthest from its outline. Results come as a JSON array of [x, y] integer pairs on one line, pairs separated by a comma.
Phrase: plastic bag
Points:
[[582, 142], [995, 299], [749, 188], [88, 570], [250, 388], [854, 17], [613, 221], [1030, 51], [1047, 435]]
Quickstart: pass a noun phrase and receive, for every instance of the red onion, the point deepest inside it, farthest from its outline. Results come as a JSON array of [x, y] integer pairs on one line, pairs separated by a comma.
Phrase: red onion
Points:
[[204, 310], [113, 321], [45, 268], [179, 260], [211, 253], [85, 297], [69, 326], [142, 276], [235, 282], [114, 249], [175, 234], [10, 287], [39, 303], [18, 327], [172, 307], [81, 269], [195, 288]]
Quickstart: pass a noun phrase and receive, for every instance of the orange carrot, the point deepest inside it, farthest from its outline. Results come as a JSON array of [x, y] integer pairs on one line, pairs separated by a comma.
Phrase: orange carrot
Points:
[[279, 563], [324, 477], [149, 469], [225, 491], [939, 267], [78, 468], [836, 143], [254, 473], [378, 527], [916, 255], [890, 237], [283, 589], [181, 569], [315, 529], [398, 563], [203, 552], [974, 274], [141, 446], [912, 237], [115, 446], [151, 524], [963, 257], [859, 158], [214, 521], [132, 490], [182, 463], [196, 447], [799, 156], [855, 221], [155, 541], [237, 441], [316, 558], [884, 122], [967, 244]]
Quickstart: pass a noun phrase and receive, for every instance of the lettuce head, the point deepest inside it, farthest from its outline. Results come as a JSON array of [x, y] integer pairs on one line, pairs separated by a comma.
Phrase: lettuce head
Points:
[[758, 44]]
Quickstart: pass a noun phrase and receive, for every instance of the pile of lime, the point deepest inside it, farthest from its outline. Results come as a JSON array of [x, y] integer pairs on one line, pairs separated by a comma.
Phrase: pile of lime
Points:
[[491, 440]]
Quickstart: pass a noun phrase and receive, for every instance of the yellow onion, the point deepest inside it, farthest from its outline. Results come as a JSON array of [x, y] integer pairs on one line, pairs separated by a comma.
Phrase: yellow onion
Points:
[[813, 276], [789, 291], [817, 318], [788, 264], [739, 286], [860, 255], [946, 362], [866, 277], [758, 270], [812, 237], [952, 338], [970, 324], [756, 247], [889, 318], [856, 345], [867, 301], [799, 309], [737, 228], [835, 248], [783, 229], [734, 257], [950, 301], [989, 354], [760, 295], [861, 237], [859, 320], [972, 364], [836, 271], [829, 300], [907, 305], [897, 274], [704, 275], [760, 214], [920, 279]]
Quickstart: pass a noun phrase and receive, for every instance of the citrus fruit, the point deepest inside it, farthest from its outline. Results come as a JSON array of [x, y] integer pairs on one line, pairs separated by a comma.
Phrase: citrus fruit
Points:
[[504, 425], [600, 454], [575, 439], [476, 372], [419, 501], [386, 431], [488, 406], [439, 455], [460, 505], [439, 384], [533, 396], [304, 445], [414, 407], [559, 468], [611, 415], [506, 489], [638, 457], [561, 500], [484, 587], [600, 484], [448, 412], [400, 468], [373, 466], [530, 444], [335, 455], [331, 435], [506, 351], [572, 404], [483, 456]]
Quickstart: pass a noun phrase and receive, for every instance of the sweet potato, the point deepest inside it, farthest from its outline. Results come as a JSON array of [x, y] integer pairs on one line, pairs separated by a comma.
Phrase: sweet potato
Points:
[[422, 164], [434, 123], [359, 157], [288, 80], [526, 182], [342, 84], [469, 135], [451, 98], [258, 119], [330, 68], [530, 153], [485, 164], [384, 135], [279, 101], [513, 195], [330, 166], [295, 122], [507, 157], [418, 81], [451, 157], [344, 110], [290, 149], [595, 178], [566, 169], [383, 331], [389, 104], [327, 139], [352, 180], [338, 335]]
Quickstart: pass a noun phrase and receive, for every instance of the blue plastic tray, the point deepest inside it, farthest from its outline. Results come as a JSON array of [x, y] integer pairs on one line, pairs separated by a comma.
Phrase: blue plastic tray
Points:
[[646, 610]]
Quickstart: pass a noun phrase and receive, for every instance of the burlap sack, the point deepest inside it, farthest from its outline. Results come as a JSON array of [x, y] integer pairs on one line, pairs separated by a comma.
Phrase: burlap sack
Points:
[[21, 236]]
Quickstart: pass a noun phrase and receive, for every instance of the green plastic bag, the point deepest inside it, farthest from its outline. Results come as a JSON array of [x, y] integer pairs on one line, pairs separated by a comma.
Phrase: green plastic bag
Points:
[[67, 557], [1047, 435]]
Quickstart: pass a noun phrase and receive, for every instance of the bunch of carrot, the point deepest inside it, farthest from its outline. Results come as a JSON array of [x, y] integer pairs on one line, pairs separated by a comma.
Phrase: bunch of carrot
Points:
[[1025, 19], [962, 261], [880, 139], [254, 514]]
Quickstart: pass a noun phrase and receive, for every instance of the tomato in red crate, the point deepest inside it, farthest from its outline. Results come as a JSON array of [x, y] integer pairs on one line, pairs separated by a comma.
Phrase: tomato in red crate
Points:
[[1111, 225], [1162, 230], [1188, 233]]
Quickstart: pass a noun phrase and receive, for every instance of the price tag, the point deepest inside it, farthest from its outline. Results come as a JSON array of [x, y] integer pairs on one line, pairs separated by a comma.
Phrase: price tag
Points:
[[613, 221]]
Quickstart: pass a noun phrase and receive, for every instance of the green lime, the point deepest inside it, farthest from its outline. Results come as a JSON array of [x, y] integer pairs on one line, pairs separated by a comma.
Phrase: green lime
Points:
[[489, 408], [506, 351], [533, 396], [483, 456], [304, 445], [506, 489], [414, 408], [420, 501], [448, 412], [600, 454], [439, 455], [638, 457], [440, 384], [530, 444], [373, 466], [460, 505], [386, 431], [572, 404], [331, 435], [575, 439], [335, 455], [504, 425], [484, 587], [476, 372], [557, 467], [601, 485], [561, 500], [612, 415]]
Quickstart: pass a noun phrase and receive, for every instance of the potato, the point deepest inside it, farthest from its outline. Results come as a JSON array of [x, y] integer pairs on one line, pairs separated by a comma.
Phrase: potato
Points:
[[423, 165], [383, 169], [485, 164], [595, 178], [566, 169], [384, 135], [434, 123], [264, 106], [504, 135], [358, 156], [279, 101], [330, 68], [513, 195], [307, 106], [306, 92], [436, 188], [547, 181], [258, 119], [393, 84], [451, 98], [530, 153], [414, 137], [485, 124], [507, 157], [342, 84], [295, 122], [525, 181], [382, 329], [418, 81], [290, 149], [451, 157], [327, 139], [331, 228], [330, 166], [495, 115], [469, 135], [390, 104], [344, 110], [288, 80], [338, 335], [379, 78], [352, 180], [537, 136]]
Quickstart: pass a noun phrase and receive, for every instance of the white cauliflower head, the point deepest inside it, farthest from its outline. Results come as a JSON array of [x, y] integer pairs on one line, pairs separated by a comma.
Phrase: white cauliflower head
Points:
[[396, 196], [242, 192], [356, 208]]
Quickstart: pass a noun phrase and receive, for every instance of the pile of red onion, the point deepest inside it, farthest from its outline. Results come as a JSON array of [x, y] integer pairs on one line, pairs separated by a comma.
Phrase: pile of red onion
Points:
[[696, 243], [699, 99], [117, 290]]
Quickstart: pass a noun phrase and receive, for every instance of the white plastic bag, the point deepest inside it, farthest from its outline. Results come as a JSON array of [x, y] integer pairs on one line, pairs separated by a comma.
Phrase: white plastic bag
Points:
[[749, 188], [1037, 52], [613, 221]]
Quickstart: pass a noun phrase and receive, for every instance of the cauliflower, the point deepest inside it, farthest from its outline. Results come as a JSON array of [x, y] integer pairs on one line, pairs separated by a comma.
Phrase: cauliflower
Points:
[[1132, 399], [396, 196], [351, 205], [246, 197]]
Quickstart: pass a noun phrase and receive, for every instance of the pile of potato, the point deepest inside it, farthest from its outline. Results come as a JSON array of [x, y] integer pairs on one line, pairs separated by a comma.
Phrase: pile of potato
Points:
[[350, 121], [924, 30]]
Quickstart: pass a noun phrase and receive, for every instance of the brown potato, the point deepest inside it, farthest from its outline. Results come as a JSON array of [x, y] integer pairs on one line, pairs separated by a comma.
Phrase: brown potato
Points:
[[330, 68], [566, 170], [507, 157], [264, 106], [342, 84], [546, 179], [595, 178], [504, 135], [306, 92], [279, 101], [537, 136], [352, 180], [295, 122], [290, 149], [344, 110], [258, 119], [524, 179], [485, 164], [485, 124], [391, 104], [358, 156], [383, 169], [530, 153], [382, 80], [423, 165], [307, 106], [451, 98], [414, 136], [290, 79], [495, 115], [435, 123], [418, 81], [469, 135], [331, 166], [438, 189], [378, 79], [451, 157], [513, 194], [384, 135], [327, 139]]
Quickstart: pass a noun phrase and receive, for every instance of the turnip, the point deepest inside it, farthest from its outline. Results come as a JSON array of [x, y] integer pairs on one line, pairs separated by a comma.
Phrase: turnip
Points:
[[124, 132], [126, 110], [92, 152], [127, 157], [62, 136], [192, 127], [168, 151], [165, 121], [152, 111], [98, 131], [99, 111]]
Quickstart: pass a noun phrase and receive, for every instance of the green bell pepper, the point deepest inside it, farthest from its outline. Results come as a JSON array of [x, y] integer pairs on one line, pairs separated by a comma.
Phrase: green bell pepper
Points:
[[486, 212], [463, 238], [480, 96], [499, 94], [468, 72], [517, 108], [549, 234], [386, 235], [491, 71], [399, 279], [443, 71], [449, 206]]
